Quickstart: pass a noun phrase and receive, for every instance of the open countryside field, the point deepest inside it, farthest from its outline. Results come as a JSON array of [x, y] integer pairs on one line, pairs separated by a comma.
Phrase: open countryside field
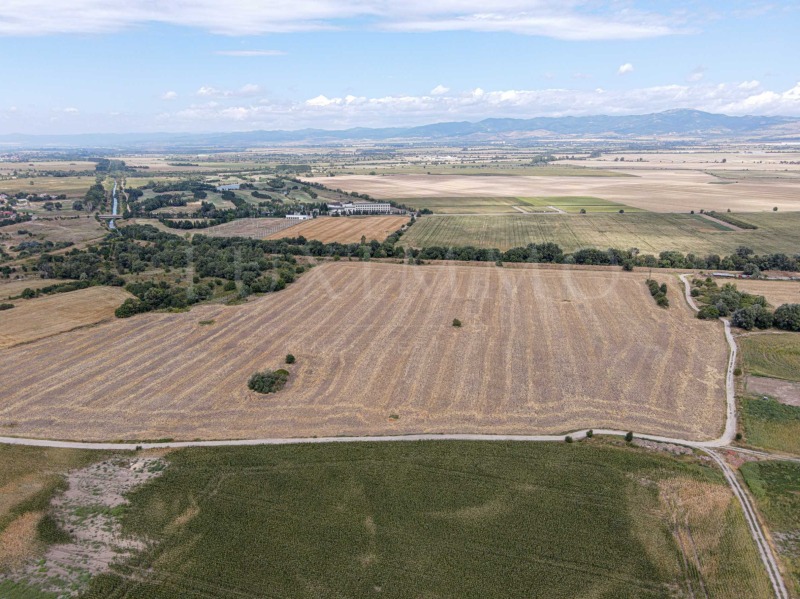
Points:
[[342, 229], [254, 228], [49, 315], [654, 190], [541, 351], [776, 488], [454, 519], [74, 186], [13, 287], [651, 233], [776, 292], [79, 231], [471, 205], [774, 355]]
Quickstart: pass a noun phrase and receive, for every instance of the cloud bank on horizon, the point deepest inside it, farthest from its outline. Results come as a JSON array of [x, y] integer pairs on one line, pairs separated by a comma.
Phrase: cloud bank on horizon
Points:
[[200, 65]]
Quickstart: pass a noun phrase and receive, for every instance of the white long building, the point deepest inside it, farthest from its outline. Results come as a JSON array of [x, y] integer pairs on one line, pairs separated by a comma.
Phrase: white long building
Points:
[[360, 208]]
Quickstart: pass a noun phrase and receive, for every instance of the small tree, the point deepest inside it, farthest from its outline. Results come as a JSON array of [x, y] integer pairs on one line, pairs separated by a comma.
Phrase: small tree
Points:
[[568, 439], [269, 381], [629, 436], [290, 359], [456, 322], [589, 434]]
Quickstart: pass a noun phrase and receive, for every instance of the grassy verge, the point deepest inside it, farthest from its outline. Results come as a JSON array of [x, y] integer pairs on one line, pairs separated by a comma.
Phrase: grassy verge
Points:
[[769, 424], [776, 488], [436, 519]]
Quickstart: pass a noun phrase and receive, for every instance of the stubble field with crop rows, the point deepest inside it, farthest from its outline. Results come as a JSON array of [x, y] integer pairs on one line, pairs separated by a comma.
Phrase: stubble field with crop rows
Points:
[[540, 351]]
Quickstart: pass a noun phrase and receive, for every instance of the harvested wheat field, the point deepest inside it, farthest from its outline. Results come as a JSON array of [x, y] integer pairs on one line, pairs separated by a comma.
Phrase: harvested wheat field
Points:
[[653, 190], [540, 351], [776, 292], [345, 229], [45, 316], [254, 228]]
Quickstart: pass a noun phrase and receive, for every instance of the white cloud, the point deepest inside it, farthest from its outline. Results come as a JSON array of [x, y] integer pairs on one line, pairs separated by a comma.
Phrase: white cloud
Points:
[[71, 110], [248, 53], [170, 95], [249, 89], [572, 20], [697, 74], [625, 69], [439, 90], [749, 84]]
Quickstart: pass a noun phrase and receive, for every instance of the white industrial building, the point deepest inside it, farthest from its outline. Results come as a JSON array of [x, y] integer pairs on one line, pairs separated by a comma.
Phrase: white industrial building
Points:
[[360, 208], [298, 216]]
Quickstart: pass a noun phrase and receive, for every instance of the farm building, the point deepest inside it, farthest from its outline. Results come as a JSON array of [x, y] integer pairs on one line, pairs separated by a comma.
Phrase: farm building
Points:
[[360, 208], [298, 216]]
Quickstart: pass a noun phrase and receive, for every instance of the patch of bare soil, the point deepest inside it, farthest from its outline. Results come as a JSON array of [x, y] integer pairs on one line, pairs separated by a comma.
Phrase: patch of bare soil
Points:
[[786, 392], [90, 512]]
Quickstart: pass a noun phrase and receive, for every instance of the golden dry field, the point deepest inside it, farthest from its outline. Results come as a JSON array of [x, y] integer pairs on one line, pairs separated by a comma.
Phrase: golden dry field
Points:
[[255, 228], [540, 351], [664, 190], [776, 292], [79, 231], [46, 316], [11, 287], [343, 229]]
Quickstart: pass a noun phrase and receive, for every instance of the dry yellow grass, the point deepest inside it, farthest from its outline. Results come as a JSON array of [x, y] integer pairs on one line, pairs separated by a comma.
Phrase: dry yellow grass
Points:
[[655, 190], [345, 229], [46, 316], [540, 351], [13, 287], [255, 228], [776, 292]]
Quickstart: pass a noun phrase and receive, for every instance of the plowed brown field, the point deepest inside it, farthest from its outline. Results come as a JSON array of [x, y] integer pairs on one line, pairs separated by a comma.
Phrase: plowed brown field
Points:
[[345, 229], [49, 315], [540, 351]]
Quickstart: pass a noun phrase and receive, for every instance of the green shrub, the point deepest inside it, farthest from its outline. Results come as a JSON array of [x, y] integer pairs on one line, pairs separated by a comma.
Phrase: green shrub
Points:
[[456, 322], [787, 317], [568, 439], [629, 436], [268, 381], [290, 359], [6, 306]]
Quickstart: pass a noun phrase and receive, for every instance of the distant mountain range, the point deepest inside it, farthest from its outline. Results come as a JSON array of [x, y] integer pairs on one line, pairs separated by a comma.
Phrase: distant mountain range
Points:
[[669, 125]]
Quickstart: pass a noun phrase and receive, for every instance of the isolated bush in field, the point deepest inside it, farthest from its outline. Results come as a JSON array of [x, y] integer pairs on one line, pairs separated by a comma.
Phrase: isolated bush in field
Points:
[[6, 306], [269, 381], [737, 372], [787, 317], [590, 433], [290, 359], [456, 322], [568, 439], [629, 436]]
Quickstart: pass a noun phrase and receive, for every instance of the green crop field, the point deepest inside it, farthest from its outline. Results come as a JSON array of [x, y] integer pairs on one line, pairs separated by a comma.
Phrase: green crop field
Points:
[[436, 519], [513, 205], [574, 204], [650, 232], [776, 487], [769, 424], [775, 355]]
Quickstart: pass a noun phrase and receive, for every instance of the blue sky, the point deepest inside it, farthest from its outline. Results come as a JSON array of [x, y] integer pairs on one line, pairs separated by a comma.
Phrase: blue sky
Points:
[[202, 65]]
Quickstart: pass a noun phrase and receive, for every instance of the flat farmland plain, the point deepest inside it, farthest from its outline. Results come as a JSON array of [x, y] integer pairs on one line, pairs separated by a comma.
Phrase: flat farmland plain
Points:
[[540, 351], [651, 233], [49, 315], [653, 190], [776, 292], [348, 229], [254, 228]]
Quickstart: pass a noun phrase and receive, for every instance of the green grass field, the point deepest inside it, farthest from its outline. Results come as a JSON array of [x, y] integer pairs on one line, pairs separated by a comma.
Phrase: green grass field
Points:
[[513, 205], [436, 519], [650, 232], [772, 355], [776, 488], [769, 424]]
